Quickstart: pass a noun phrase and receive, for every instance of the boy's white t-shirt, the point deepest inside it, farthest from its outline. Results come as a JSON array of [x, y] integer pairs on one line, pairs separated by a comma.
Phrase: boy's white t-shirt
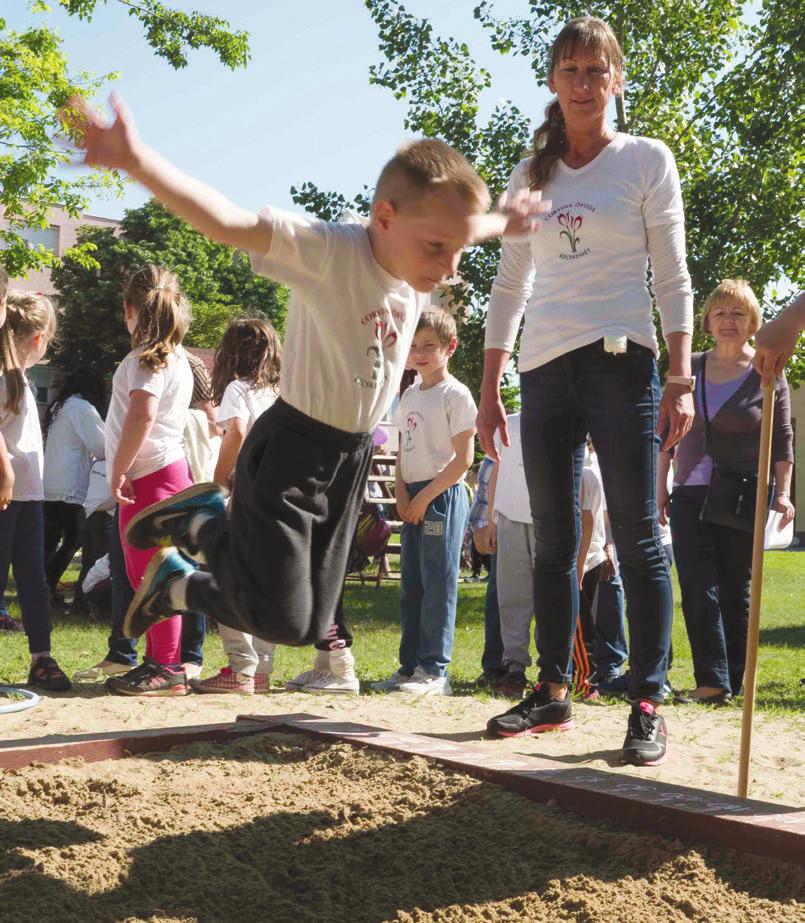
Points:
[[242, 401], [428, 420], [350, 323], [583, 276], [23, 437], [593, 500], [511, 491], [173, 387]]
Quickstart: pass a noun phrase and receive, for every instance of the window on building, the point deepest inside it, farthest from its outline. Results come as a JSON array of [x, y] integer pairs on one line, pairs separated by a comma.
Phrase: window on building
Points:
[[46, 237]]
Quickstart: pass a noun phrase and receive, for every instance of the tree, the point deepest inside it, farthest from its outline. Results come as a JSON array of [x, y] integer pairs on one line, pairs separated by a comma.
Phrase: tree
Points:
[[217, 280], [723, 92], [36, 81]]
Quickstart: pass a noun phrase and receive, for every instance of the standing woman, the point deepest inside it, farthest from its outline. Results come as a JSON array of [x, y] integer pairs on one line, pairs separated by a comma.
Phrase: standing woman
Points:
[[588, 365], [714, 556]]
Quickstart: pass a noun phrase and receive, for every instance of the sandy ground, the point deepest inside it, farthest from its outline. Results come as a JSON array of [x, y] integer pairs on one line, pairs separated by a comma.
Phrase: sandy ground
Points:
[[703, 751], [284, 828]]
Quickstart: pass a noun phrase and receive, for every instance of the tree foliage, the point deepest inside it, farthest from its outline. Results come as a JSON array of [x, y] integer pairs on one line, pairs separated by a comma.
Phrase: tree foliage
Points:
[[36, 81], [724, 92], [217, 280]]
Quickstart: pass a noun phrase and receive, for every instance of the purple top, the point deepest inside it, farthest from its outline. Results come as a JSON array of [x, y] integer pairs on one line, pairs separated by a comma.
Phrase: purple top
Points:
[[735, 410], [717, 395]]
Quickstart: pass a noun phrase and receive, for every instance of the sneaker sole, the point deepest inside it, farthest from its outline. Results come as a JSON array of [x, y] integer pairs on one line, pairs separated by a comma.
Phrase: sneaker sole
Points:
[[153, 693], [135, 631], [330, 691], [537, 729], [138, 535], [201, 691], [626, 761]]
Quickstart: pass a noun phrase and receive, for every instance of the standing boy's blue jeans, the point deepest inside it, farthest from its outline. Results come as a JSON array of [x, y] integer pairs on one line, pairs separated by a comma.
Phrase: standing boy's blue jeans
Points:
[[429, 565], [194, 630], [492, 657], [22, 547], [121, 649], [615, 398]]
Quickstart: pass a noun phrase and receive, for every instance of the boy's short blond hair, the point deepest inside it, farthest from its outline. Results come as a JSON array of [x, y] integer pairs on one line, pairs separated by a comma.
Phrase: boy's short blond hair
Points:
[[424, 166], [732, 291], [441, 322]]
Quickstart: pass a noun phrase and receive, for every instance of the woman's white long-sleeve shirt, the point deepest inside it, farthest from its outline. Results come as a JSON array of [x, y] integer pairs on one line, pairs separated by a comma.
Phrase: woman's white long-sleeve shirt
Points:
[[75, 439], [583, 275]]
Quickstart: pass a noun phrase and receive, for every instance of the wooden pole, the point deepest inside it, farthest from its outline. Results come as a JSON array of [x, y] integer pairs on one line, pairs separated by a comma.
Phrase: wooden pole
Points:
[[750, 674]]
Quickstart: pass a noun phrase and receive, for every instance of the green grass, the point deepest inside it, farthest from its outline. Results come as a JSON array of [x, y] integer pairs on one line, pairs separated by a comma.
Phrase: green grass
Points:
[[372, 614]]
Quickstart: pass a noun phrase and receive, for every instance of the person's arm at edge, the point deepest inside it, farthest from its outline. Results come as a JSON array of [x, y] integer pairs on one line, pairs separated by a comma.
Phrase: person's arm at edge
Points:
[[491, 412], [776, 340], [402, 498], [586, 537], [663, 499]]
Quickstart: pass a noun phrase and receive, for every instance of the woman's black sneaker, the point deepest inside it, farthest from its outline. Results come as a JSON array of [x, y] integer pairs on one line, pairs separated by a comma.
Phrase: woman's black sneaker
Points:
[[46, 674], [646, 740], [538, 712]]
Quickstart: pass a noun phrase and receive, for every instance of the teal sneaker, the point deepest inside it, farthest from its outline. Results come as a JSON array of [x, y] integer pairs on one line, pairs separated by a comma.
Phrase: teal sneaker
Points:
[[167, 523], [151, 602]]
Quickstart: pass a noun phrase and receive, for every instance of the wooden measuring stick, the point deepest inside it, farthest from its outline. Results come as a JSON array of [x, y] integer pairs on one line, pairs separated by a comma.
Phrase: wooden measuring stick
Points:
[[750, 673]]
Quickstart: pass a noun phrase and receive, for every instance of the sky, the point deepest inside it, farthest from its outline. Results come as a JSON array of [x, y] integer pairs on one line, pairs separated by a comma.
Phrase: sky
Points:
[[302, 109]]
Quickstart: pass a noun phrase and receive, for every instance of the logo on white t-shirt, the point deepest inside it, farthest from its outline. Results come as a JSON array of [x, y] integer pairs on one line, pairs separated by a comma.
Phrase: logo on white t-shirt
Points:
[[412, 422], [385, 338], [571, 221]]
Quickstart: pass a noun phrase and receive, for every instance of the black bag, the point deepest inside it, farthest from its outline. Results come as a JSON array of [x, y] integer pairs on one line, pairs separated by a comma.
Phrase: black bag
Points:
[[731, 495]]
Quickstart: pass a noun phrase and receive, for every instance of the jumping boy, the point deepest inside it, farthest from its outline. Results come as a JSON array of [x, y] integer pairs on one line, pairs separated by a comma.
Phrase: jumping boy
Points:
[[278, 563], [436, 418]]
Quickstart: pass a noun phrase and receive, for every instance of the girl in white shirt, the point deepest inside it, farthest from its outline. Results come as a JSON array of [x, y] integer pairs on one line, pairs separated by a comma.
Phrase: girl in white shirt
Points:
[[29, 328], [245, 383], [74, 438], [145, 453]]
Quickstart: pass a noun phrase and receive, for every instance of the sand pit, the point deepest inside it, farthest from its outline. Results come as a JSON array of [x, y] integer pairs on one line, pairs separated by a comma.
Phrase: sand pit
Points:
[[284, 828]]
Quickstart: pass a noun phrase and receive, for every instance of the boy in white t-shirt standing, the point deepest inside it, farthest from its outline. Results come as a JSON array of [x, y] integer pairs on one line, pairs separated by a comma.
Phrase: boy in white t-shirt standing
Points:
[[436, 417]]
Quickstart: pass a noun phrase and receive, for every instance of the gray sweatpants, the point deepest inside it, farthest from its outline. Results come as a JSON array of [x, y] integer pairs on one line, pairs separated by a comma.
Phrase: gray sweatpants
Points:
[[515, 579], [246, 653]]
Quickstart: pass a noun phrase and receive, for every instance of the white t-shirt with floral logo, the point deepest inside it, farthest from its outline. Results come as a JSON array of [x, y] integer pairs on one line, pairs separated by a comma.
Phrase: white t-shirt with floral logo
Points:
[[350, 323], [428, 420], [583, 275]]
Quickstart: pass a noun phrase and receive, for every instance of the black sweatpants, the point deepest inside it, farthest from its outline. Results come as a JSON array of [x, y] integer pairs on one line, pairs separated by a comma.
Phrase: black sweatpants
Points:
[[277, 564], [64, 523]]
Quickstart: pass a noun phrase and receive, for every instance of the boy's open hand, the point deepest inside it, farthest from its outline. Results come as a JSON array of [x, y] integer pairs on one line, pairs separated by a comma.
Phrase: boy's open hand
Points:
[[417, 510], [522, 212], [112, 145]]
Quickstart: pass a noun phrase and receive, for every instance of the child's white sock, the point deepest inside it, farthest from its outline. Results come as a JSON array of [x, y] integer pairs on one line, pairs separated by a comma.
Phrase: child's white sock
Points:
[[35, 657], [177, 593]]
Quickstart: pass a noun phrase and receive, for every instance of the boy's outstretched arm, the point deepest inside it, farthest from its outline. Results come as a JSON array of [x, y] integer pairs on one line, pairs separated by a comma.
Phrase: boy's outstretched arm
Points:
[[118, 146]]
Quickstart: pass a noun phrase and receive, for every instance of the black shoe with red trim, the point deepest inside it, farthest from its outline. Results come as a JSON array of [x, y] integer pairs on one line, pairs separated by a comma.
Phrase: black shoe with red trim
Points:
[[646, 742], [538, 712]]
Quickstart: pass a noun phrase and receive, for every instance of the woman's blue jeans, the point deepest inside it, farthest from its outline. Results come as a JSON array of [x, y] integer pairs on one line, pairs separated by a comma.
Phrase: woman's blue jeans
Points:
[[714, 566], [615, 398]]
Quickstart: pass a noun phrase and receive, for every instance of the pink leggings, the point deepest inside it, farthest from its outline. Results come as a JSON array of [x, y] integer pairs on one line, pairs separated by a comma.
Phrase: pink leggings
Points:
[[163, 640]]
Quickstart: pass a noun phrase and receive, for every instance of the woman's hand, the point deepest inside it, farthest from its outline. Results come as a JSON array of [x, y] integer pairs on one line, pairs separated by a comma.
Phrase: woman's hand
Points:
[[122, 489], [782, 504], [491, 419], [6, 488], [676, 415]]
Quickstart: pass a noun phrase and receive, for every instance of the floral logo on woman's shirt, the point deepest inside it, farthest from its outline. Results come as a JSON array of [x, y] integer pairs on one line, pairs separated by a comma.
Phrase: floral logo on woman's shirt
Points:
[[571, 224]]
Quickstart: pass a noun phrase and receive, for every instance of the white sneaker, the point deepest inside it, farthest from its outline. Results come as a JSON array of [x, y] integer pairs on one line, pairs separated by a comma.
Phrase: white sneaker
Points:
[[392, 684], [324, 683], [321, 664], [422, 683]]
